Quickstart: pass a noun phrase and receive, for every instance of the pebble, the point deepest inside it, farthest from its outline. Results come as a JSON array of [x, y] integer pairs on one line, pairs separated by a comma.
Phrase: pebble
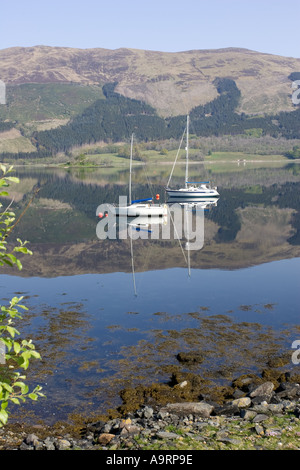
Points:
[[159, 423]]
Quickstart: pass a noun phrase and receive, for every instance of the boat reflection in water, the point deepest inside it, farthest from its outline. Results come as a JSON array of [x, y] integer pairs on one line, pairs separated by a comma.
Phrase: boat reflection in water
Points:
[[195, 202], [183, 219], [183, 222]]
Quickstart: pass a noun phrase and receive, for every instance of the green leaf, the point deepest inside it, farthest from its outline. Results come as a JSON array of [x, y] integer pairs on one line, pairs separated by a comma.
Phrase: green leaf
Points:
[[17, 347], [15, 400], [33, 396], [3, 416], [7, 387], [19, 264], [12, 179], [23, 387], [12, 258], [12, 331]]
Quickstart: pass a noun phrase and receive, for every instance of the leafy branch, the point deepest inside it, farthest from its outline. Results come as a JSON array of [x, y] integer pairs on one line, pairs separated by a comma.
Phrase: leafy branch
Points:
[[15, 355]]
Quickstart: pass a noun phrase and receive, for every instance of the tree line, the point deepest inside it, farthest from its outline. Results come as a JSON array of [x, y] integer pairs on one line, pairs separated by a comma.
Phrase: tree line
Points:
[[116, 117]]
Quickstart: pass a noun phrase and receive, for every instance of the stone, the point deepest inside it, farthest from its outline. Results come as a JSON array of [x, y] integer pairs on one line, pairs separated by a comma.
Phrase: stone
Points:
[[248, 415], [49, 443], [130, 429], [221, 435], [202, 409], [238, 393], [261, 408], [183, 384], [261, 399], [162, 414], [105, 438], [275, 408], [31, 440], [148, 412], [265, 389], [259, 418], [63, 444], [228, 409], [288, 390], [167, 435], [242, 402], [259, 430]]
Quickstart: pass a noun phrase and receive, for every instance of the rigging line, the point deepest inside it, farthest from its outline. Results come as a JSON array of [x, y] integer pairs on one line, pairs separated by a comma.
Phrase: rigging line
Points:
[[146, 260], [176, 158], [132, 267], [177, 236], [149, 183]]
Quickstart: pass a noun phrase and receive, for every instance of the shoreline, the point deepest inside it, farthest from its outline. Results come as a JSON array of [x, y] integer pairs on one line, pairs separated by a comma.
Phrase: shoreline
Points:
[[140, 163], [261, 413]]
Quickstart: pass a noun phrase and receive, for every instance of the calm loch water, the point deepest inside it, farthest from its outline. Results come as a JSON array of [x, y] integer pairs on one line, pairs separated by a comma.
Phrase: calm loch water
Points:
[[107, 314]]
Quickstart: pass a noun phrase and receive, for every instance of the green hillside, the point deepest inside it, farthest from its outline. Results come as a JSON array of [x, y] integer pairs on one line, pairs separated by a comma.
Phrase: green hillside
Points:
[[42, 101], [78, 115]]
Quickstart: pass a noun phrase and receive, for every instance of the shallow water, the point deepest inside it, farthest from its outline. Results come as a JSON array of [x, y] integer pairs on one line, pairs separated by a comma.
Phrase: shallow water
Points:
[[100, 327]]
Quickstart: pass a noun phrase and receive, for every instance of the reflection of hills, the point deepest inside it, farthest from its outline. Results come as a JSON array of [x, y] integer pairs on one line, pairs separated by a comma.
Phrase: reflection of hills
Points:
[[253, 223], [262, 238]]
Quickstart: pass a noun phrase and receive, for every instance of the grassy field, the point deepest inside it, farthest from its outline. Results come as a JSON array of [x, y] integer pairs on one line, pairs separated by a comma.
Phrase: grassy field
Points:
[[239, 159]]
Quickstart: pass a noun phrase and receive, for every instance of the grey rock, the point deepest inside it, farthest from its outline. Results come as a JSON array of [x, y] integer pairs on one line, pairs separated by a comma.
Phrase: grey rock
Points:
[[31, 440], [221, 435], [148, 412], [62, 444], [264, 389], [275, 408], [259, 429], [288, 390], [49, 443], [261, 399], [229, 409], [242, 402], [202, 409], [259, 418], [25, 446], [162, 414], [248, 415], [167, 435]]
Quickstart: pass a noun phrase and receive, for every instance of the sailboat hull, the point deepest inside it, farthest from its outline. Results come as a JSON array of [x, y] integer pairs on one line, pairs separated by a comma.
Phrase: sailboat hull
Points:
[[148, 210], [192, 193]]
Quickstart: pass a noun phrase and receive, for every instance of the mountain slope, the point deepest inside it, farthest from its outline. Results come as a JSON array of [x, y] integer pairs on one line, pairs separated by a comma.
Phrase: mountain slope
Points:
[[172, 83]]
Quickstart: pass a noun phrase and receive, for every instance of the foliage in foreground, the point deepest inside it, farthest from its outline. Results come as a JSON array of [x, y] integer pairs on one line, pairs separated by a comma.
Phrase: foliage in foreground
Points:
[[15, 355]]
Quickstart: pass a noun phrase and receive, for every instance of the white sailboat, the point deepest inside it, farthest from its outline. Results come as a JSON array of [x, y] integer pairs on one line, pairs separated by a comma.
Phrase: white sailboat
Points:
[[139, 207], [191, 189]]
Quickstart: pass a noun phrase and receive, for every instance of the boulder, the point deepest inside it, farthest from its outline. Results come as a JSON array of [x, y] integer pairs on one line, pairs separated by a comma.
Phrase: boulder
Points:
[[201, 409]]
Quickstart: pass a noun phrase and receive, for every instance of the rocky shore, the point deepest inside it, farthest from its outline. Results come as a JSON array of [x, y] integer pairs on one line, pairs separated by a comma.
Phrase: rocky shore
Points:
[[260, 415]]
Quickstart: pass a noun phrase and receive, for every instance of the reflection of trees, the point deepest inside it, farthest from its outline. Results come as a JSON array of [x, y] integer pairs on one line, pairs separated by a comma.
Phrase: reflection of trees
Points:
[[283, 196]]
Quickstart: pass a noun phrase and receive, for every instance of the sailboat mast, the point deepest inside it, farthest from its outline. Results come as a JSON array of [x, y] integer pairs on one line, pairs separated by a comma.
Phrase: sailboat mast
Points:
[[130, 169], [187, 151]]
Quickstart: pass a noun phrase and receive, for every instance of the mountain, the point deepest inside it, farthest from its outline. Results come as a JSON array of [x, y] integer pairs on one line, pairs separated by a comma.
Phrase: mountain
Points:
[[172, 83], [59, 98]]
